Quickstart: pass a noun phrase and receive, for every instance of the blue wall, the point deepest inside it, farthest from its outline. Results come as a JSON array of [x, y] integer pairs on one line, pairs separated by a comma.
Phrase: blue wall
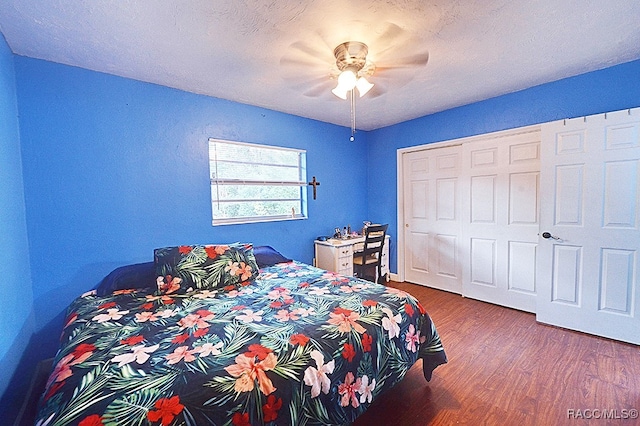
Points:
[[115, 167], [611, 89], [16, 298]]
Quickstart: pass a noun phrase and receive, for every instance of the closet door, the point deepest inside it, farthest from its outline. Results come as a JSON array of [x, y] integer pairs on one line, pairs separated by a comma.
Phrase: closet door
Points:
[[588, 267], [501, 194], [432, 217]]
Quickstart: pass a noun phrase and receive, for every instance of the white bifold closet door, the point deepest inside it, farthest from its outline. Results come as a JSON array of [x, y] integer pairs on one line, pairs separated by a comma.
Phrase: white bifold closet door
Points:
[[432, 224], [588, 262], [501, 195], [471, 217]]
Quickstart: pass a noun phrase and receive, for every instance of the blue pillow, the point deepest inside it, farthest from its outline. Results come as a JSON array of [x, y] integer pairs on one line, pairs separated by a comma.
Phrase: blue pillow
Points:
[[268, 256], [137, 276]]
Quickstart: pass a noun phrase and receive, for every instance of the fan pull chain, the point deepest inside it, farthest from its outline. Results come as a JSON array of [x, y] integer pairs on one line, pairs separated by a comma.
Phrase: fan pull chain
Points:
[[353, 114]]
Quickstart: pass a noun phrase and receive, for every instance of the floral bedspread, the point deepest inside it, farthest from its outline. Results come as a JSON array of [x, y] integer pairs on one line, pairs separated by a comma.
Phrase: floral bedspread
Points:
[[299, 345]]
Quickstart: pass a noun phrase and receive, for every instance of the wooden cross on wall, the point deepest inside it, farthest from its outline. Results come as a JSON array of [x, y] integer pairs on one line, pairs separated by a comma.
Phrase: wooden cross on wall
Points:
[[315, 184]]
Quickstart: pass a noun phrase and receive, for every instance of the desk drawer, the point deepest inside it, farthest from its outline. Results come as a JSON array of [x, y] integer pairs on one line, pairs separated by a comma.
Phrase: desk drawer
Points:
[[346, 251], [345, 261]]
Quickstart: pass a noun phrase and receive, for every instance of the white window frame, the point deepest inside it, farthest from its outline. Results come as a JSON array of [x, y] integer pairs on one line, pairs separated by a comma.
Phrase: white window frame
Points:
[[216, 182]]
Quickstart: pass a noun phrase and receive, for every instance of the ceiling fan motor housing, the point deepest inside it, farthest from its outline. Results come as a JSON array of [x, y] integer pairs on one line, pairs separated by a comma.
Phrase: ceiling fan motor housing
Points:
[[351, 55]]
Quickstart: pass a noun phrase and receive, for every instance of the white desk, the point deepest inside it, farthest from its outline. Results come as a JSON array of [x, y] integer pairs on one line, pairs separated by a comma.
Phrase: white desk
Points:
[[337, 254]]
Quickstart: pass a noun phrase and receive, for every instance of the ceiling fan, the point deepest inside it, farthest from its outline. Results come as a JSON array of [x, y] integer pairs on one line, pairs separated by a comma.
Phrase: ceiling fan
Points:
[[368, 59], [381, 57], [351, 60]]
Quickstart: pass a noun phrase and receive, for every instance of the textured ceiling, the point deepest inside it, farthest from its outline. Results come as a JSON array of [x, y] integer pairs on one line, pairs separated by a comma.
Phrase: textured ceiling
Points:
[[279, 54]]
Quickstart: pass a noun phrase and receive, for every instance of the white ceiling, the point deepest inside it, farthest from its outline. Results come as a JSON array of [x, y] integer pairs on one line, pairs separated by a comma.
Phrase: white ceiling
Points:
[[248, 50]]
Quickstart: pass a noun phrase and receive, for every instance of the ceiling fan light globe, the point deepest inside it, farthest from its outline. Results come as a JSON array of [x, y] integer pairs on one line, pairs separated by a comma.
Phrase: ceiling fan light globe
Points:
[[363, 86], [347, 80], [339, 92]]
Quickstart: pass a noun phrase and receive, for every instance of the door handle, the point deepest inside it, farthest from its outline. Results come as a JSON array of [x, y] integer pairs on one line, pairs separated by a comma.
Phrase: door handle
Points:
[[547, 235]]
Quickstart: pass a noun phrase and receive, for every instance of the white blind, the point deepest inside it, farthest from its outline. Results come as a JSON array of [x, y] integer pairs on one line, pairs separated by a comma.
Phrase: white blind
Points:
[[252, 183]]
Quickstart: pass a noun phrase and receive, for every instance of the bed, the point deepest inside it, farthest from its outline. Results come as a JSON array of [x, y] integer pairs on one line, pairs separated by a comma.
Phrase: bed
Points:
[[233, 335]]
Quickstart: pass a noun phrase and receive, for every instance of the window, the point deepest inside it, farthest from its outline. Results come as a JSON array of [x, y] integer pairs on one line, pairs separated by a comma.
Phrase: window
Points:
[[256, 183]]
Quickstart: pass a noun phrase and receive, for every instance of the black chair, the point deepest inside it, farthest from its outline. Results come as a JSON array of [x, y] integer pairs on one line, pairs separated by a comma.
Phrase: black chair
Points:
[[370, 258]]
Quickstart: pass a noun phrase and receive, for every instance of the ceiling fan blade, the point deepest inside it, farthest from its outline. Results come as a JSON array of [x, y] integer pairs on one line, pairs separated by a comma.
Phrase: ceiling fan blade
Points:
[[302, 84], [324, 39], [295, 65], [397, 70], [307, 49], [305, 66], [378, 89], [388, 37], [392, 77], [300, 53], [320, 90], [396, 60]]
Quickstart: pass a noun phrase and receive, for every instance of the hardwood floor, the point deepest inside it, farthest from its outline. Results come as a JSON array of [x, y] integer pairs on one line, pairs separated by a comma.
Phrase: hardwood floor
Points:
[[506, 369]]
